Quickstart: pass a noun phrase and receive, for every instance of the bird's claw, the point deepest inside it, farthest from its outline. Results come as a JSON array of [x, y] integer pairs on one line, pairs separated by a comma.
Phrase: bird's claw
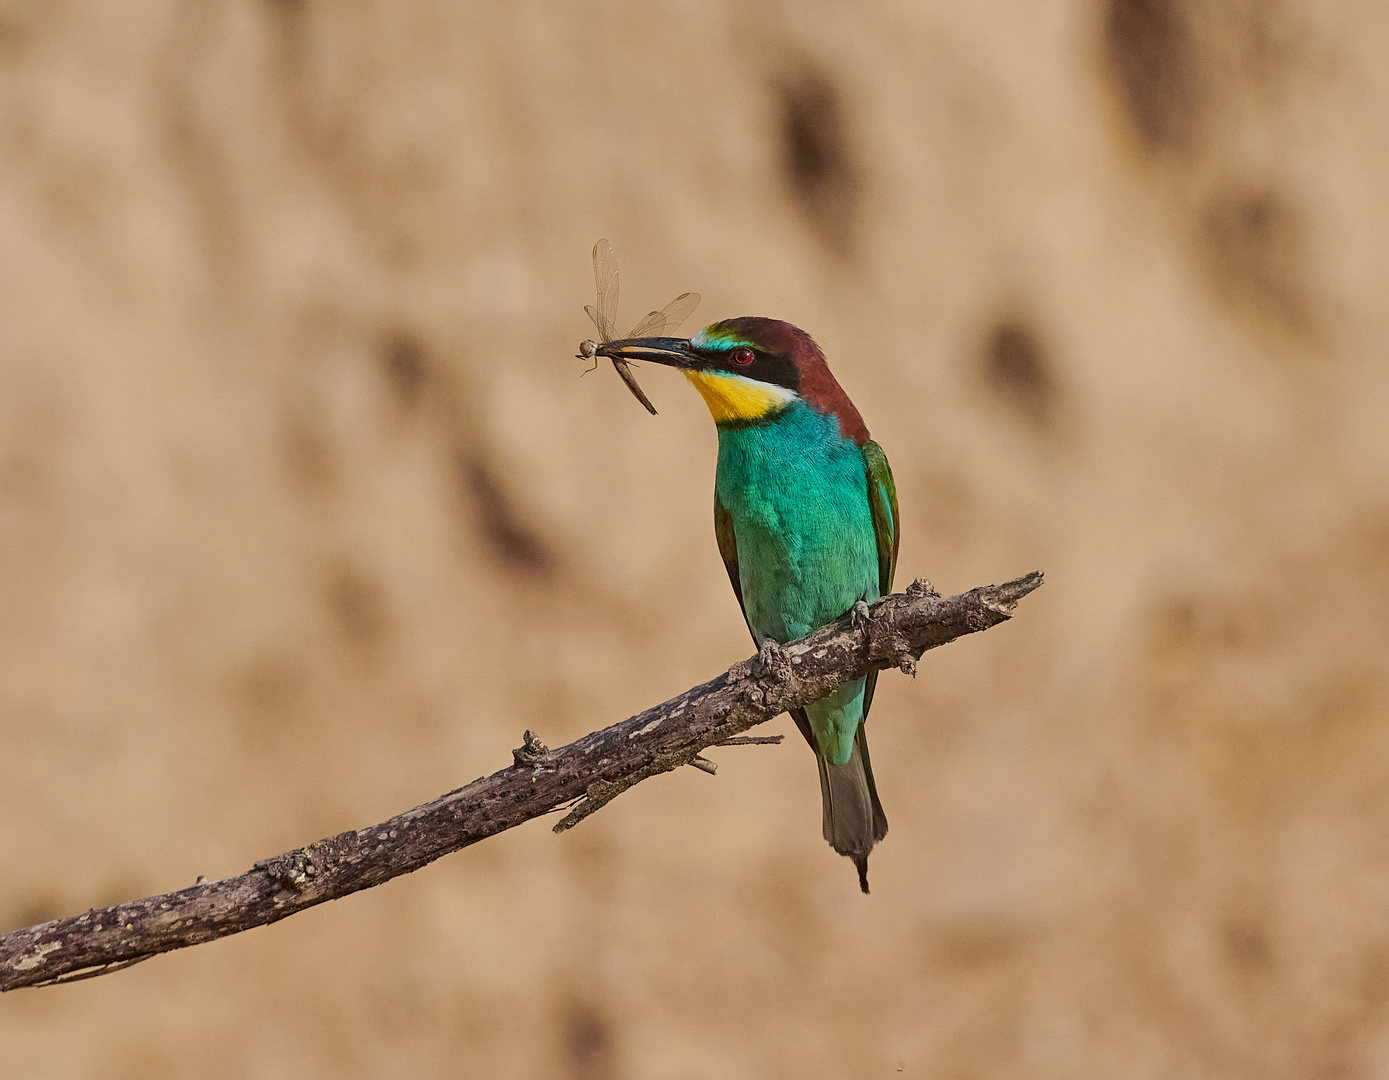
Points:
[[770, 657], [858, 614]]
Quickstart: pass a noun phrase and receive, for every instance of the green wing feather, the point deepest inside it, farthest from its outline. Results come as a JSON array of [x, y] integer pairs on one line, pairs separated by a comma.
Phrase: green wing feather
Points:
[[882, 501], [728, 548]]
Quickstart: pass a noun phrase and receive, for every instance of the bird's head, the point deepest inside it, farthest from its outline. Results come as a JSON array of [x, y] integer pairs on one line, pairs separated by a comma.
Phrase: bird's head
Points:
[[749, 370]]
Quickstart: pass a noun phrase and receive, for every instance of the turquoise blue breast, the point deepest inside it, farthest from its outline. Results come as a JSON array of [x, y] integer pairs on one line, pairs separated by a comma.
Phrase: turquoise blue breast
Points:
[[797, 494]]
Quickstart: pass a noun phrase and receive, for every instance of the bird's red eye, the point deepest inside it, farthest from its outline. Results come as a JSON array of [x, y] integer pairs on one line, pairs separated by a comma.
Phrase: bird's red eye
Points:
[[742, 357]]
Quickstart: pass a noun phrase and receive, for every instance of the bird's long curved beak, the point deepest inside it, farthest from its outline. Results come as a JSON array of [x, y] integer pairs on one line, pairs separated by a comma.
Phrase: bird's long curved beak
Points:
[[673, 352]]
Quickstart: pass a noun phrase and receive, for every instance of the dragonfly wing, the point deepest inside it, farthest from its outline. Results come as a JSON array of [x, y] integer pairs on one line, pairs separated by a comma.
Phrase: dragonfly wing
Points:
[[679, 309], [669, 318], [653, 324], [605, 283]]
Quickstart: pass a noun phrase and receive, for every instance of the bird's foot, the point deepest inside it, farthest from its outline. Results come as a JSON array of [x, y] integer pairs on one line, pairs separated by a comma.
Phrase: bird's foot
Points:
[[906, 660], [771, 659], [858, 615]]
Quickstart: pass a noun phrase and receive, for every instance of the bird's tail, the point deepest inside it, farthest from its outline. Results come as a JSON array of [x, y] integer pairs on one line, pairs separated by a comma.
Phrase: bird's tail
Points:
[[854, 818]]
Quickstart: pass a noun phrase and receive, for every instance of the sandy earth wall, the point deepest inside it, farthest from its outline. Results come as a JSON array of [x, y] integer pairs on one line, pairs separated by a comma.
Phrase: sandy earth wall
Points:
[[305, 514]]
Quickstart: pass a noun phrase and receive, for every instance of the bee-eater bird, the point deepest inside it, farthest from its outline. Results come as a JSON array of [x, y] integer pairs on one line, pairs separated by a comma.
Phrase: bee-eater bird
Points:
[[805, 514]]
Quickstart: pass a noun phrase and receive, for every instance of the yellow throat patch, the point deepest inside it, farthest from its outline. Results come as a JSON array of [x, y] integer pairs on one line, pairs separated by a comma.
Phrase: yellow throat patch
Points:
[[733, 398]]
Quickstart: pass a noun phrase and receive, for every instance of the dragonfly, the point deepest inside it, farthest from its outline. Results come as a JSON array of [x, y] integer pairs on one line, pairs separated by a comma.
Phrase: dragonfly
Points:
[[604, 315]]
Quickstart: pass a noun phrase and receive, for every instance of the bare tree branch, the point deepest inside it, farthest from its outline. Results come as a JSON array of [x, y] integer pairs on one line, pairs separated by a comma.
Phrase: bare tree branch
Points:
[[893, 632]]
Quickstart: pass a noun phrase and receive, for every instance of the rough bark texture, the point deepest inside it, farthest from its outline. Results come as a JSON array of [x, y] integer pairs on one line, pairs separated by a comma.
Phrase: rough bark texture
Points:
[[892, 632]]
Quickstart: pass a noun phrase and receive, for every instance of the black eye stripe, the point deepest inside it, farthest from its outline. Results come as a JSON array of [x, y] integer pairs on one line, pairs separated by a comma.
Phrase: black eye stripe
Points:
[[764, 367]]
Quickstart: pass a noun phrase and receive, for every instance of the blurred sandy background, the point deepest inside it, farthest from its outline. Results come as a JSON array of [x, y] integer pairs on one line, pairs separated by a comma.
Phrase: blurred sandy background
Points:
[[305, 515]]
